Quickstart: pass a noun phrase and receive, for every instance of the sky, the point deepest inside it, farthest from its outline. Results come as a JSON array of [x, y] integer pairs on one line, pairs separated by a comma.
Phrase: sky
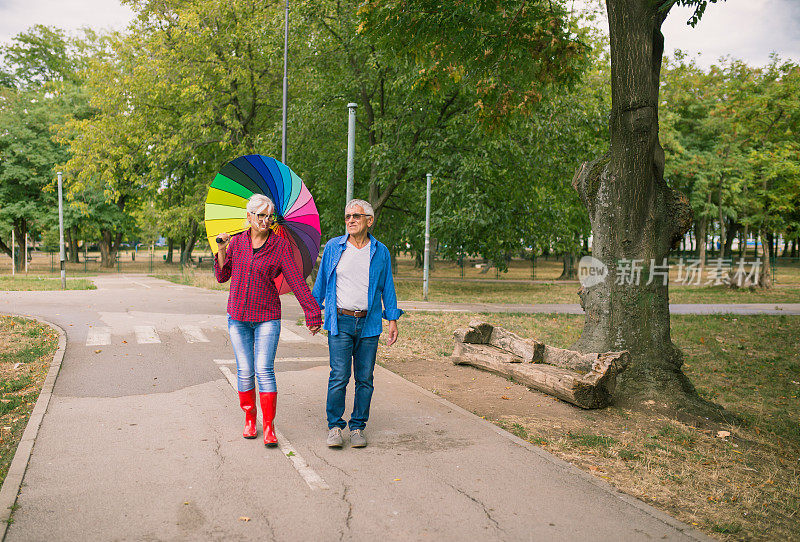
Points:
[[746, 29]]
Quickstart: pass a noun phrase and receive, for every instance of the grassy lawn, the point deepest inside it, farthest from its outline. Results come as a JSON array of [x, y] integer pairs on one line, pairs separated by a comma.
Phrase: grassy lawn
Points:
[[742, 486], [560, 292], [43, 283], [26, 350]]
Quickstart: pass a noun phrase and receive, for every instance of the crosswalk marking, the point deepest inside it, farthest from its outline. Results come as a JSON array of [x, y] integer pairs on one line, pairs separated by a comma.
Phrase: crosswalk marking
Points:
[[146, 335], [98, 336], [193, 334], [290, 336], [277, 360]]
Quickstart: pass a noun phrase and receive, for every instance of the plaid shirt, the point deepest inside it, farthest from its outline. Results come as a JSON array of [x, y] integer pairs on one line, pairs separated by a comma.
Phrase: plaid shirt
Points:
[[253, 296]]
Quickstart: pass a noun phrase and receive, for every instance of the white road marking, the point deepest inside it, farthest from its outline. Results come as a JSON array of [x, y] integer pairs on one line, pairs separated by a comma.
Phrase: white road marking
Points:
[[290, 336], [146, 335], [98, 336], [277, 360], [308, 474], [193, 334], [141, 284]]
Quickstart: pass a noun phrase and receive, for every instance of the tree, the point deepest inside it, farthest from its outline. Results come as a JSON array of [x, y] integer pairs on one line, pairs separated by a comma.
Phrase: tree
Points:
[[41, 88]]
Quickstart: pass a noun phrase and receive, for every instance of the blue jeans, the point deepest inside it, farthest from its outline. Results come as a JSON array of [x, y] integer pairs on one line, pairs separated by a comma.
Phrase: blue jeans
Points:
[[346, 348], [254, 345]]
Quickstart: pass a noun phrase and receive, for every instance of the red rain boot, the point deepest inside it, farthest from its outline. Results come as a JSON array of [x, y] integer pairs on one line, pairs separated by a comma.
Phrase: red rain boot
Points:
[[247, 400], [268, 402]]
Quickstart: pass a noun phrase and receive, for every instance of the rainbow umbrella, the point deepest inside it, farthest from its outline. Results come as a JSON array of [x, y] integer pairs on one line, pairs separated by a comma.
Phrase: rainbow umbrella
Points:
[[297, 215]]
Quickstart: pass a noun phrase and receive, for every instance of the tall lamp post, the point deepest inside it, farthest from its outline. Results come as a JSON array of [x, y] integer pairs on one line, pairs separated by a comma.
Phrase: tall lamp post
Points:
[[61, 235], [351, 149], [427, 239], [285, 81]]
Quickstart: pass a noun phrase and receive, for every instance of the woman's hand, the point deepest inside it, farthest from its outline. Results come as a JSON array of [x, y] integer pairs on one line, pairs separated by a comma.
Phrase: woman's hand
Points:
[[314, 329], [225, 238], [222, 247]]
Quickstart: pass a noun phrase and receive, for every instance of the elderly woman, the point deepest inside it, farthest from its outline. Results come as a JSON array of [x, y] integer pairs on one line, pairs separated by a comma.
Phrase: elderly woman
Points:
[[252, 260]]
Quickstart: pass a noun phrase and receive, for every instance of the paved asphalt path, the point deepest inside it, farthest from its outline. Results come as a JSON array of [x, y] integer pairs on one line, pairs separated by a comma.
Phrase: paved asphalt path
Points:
[[142, 441]]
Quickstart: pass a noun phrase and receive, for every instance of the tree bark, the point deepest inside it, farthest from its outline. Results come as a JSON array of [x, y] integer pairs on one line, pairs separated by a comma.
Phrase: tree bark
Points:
[[732, 229], [170, 247], [635, 217], [74, 254], [188, 246], [765, 278], [568, 268]]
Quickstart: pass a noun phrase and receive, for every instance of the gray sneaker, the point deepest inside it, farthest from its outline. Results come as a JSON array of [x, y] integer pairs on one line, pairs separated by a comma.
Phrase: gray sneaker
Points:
[[335, 437], [357, 439]]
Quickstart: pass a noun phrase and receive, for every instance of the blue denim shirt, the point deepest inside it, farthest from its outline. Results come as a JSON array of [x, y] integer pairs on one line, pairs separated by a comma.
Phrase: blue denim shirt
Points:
[[381, 285]]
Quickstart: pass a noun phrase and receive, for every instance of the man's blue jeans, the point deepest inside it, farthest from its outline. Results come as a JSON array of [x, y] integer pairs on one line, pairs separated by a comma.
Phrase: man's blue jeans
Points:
[[346, 348], [254, 345]]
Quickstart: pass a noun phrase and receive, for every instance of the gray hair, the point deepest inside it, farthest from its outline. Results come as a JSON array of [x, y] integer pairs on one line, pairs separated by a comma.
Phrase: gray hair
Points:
[[257, 202], [361, 203]]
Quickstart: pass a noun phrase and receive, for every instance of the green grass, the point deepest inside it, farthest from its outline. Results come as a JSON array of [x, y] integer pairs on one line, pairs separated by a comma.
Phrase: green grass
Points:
[[26, 350], [29, 283], [587, 440]]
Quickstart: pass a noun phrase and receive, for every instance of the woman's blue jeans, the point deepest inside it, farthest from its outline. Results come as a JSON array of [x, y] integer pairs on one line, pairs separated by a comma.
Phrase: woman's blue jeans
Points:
[[349, 349], [254, 344]]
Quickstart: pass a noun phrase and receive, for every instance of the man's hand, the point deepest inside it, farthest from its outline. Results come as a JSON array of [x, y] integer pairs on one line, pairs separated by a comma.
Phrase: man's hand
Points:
[[392, 337], [314, 329]]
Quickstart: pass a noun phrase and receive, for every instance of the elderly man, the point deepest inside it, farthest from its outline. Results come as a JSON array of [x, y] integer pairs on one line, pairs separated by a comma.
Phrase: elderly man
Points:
[[353, 278]]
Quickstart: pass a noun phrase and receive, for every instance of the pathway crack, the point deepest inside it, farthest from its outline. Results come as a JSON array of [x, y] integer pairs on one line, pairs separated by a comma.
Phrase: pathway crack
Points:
[[479, 503]]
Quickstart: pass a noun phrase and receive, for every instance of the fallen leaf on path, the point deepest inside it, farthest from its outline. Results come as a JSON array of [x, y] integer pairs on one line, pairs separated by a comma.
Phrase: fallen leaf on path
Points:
[[98, 351], [504, 397], [396, 480], [244, 518]]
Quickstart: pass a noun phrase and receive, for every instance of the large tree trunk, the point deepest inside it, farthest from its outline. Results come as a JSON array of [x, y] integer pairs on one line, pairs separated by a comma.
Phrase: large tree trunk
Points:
[[170, 249], [74, 255], [732, 230], [765, 277], [568, 267], [109, 246], [188, 247], [700, 233], [20, 226], [635, 216]]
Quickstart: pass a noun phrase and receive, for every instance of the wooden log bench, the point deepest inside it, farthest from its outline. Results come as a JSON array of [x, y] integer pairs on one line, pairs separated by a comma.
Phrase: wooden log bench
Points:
[[585, 380]]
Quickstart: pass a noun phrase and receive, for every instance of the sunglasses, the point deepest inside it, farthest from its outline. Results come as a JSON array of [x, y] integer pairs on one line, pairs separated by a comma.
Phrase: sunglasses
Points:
[[263, 216], [357, 216]]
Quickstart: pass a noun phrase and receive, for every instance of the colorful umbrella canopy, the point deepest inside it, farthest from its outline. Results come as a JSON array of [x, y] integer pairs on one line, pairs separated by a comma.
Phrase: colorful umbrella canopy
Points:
[[297, 215]]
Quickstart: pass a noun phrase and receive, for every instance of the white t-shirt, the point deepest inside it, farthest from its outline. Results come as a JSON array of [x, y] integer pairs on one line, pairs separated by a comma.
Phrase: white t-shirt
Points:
[[352, 278]]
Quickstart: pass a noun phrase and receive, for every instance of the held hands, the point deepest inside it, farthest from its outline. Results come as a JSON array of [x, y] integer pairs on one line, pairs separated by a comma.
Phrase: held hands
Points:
[[392, 333], [314, 329]]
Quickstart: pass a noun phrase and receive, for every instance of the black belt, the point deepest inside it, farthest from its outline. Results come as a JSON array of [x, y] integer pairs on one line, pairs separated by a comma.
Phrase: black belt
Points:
[[357, 314]]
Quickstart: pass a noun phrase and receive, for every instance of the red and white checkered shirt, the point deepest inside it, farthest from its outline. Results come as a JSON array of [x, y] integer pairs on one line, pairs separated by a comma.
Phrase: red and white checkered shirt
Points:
[[253, 296]]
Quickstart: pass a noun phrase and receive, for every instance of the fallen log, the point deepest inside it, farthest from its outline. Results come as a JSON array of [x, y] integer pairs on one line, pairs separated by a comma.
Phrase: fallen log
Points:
[[585, 380]]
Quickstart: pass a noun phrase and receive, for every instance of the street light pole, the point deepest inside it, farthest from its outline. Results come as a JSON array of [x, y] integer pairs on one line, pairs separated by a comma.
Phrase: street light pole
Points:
[[351, 149], [285, 81], [427, 239], [61, 234]]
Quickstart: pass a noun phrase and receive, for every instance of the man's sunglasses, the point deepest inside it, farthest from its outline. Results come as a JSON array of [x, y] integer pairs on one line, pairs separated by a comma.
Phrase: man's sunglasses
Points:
[[357, 216]]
